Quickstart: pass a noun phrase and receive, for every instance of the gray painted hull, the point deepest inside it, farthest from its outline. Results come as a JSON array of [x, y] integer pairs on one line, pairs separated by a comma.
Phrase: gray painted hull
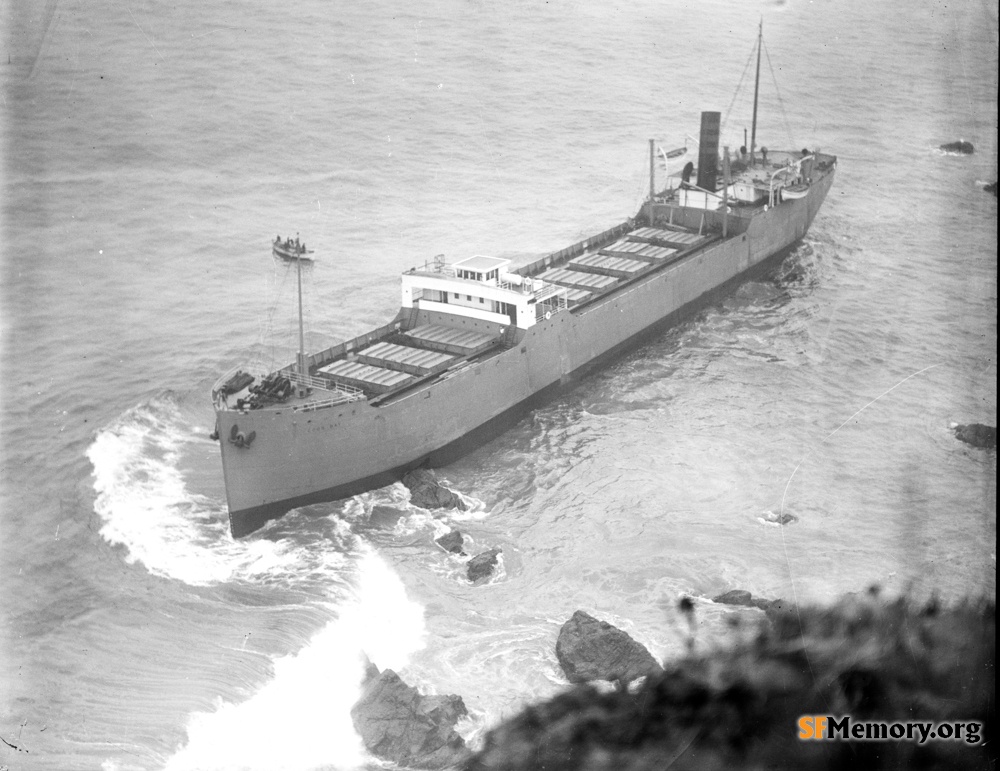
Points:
[[299, 458]]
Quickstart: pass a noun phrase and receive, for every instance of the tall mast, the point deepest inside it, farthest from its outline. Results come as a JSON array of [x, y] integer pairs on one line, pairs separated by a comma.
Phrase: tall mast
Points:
[[302, 335], [652, 177], [756, 89]]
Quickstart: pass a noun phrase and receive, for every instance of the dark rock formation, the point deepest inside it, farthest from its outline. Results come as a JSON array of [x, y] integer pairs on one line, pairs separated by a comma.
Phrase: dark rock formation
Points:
[[398, 724], [588, 649], [744, 598], [738, 707], [978, 435], [427, 493], [482, 565], [961, 146], [735, 597], [779, 518], [991, 188], [384, 517], [451, 541]]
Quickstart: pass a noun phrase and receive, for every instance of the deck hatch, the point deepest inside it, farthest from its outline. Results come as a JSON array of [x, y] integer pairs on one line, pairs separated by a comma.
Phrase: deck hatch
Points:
[[618, 267], [578, 280]]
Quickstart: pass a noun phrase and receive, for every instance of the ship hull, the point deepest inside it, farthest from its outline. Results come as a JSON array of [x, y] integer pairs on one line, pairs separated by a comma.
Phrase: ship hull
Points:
[[301, 458]]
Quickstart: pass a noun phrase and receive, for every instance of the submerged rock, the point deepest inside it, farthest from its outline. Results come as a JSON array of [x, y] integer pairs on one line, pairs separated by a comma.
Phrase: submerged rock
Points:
[[961, 146], [399, 724], [588, 649], [978, 435], [779, 518], [451, 541], [384, 517], [991, 187], [482, 565], [427, 493]]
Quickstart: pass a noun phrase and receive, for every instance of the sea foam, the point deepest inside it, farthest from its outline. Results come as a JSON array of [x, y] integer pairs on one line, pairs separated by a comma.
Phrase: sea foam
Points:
[[301, 718], [149, 511]]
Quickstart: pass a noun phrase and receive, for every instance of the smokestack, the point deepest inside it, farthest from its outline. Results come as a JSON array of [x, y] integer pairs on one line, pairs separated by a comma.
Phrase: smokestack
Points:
[[708, 150]]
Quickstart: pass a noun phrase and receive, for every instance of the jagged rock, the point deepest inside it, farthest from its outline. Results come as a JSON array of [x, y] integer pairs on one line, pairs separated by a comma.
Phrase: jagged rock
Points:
[[778, 518], [384, 517], [451, 541], [482, 565], [978, 435], [743, 598], [735, 597], [398, 724], [588, 649], [427, 493], [961, 146]]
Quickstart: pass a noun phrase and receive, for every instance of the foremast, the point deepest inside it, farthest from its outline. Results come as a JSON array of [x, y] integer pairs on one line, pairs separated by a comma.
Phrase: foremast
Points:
[[756, 92]]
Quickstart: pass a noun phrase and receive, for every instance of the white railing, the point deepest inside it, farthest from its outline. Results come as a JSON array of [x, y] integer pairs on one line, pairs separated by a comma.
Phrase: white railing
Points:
[[345, 394], [437, 265], [549, 290], [551, 299], [512, 287], [308, 381]]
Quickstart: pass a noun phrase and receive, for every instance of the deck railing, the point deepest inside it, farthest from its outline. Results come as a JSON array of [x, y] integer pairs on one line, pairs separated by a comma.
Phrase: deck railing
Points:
[[345, 394], [308, 381]]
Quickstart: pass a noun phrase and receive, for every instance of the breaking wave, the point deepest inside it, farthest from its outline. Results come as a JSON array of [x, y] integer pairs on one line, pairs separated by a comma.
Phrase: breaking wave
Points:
[[301, 718], [148, 510]]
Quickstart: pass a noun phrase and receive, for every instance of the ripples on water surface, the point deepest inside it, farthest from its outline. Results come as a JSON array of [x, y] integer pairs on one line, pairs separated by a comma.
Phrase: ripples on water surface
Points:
[[153, 154]]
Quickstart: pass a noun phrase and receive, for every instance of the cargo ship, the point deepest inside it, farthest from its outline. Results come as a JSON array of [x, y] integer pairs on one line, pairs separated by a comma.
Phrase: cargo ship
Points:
[[479, 342]]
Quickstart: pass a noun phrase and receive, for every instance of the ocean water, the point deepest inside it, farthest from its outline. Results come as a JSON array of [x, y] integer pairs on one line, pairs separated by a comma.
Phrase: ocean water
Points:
[[152, 152]]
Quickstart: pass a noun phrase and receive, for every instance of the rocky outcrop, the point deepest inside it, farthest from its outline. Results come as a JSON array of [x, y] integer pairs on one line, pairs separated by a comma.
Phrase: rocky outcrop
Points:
[[739, 706], [384, 517], [978, 435], [427, 493], [588, 649], [991, 187], [961, 146], [451, 541], [735, 597], [482, 565], [778, 518], [743, 598], [398, 724]]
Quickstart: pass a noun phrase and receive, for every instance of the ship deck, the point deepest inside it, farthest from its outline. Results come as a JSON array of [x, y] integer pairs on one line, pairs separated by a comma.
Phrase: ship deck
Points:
[[394, 358], [403, 354]]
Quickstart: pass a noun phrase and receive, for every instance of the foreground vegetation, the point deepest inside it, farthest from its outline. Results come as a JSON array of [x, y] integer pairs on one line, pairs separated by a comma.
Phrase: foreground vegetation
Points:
[[740, 707]]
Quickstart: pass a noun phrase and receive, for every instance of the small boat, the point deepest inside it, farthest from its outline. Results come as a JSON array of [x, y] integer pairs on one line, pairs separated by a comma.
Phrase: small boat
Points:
[[794, 192], [291, 249]]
